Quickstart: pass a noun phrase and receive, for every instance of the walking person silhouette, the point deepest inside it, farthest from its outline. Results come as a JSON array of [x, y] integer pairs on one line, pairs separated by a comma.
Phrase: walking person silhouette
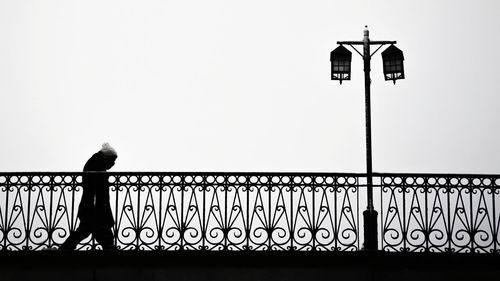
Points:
[[94, 211]]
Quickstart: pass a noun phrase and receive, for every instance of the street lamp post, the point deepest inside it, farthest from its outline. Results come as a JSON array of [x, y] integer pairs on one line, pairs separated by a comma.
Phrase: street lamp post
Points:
[[393, 70]]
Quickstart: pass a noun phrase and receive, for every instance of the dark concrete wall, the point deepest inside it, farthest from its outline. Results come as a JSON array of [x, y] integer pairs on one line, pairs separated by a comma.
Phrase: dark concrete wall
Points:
[[262, 266]]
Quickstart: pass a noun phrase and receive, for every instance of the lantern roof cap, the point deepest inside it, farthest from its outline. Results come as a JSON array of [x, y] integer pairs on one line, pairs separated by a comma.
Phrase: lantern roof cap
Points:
[[340, 51], [392, 51]]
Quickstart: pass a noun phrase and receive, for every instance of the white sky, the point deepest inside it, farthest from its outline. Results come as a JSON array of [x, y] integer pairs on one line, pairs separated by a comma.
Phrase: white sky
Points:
[[244, 85]]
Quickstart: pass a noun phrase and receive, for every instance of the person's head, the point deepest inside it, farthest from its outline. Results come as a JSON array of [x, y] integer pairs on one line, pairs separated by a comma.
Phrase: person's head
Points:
[[109, 155]]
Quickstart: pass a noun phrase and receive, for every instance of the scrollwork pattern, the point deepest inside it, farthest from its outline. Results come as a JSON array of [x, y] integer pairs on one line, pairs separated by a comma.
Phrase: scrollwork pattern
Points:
[[257, 211], [188, 211], [37, 210], [439, 213]]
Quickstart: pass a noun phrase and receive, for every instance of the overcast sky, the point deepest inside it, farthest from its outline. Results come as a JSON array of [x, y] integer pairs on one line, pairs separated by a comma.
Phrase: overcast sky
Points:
[[245, 85]]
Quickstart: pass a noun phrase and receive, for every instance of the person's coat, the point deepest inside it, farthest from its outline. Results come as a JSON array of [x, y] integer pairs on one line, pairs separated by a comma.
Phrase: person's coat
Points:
[[94, 206]]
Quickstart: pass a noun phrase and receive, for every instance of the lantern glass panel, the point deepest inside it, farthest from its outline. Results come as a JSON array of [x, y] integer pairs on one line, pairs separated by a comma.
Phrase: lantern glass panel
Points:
[[341, 66], [393, 65]]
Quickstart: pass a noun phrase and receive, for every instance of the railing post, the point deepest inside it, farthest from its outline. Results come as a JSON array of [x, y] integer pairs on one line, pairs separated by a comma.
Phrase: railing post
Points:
[[370, 215]]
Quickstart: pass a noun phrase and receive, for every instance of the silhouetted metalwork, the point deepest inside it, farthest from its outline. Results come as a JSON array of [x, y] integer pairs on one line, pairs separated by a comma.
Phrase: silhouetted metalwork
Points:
[[440, 213], [393, 67], [258, 211], [393, 64], [189, 211], [340, 59]]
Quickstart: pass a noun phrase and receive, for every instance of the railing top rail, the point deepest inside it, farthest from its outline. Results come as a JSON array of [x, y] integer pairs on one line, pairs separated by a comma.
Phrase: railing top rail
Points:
[[443, 175], [376, 174], [196, 173]]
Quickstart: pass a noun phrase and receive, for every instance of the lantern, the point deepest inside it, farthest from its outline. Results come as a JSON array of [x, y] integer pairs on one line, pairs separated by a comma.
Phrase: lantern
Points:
[[393, 64], [340, 59]]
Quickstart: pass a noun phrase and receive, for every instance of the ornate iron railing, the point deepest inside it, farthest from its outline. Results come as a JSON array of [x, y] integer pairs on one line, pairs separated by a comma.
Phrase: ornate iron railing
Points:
[[189, 211], [439, 213], [258, 211]]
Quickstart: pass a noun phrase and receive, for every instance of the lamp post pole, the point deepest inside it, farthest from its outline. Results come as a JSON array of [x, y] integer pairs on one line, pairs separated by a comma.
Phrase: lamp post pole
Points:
[[370, 214]]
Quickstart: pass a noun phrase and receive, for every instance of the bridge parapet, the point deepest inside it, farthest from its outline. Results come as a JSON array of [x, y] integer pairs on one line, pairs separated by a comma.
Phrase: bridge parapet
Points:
[[258, 211]]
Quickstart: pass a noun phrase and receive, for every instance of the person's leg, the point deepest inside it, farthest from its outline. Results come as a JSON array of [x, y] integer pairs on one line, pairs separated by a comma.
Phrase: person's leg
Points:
[[104, 236], [83, 231]]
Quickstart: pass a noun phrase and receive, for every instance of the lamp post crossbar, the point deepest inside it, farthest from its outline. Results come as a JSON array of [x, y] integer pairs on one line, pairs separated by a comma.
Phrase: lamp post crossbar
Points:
[[380, 43], [362, 43]]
